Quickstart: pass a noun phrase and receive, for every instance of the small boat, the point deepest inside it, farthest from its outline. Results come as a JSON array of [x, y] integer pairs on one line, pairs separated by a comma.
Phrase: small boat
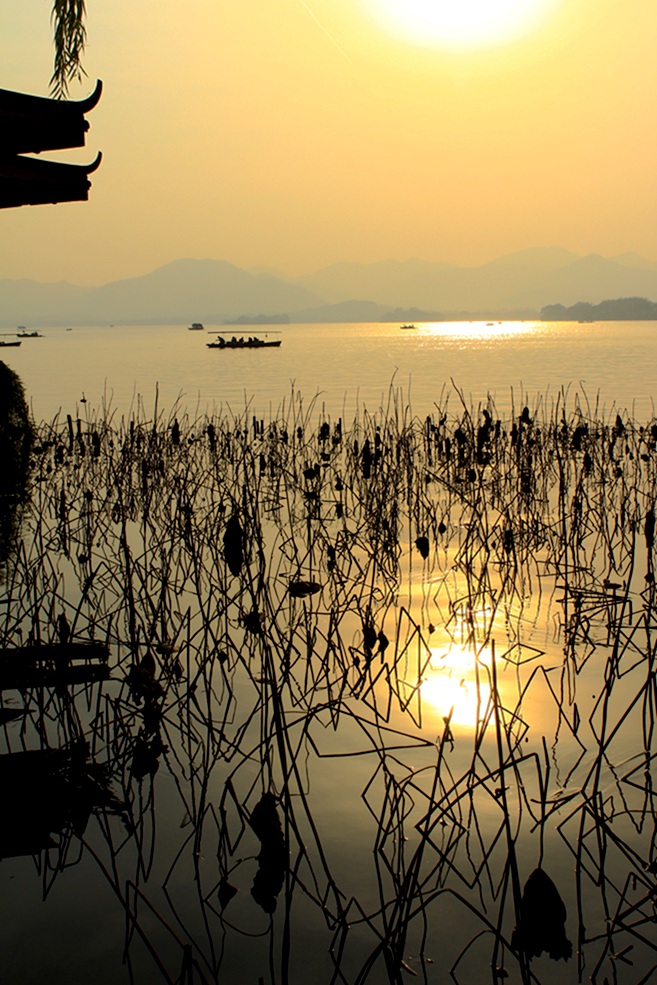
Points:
[[242, 343], [8, 345], [28, 335], [196, 326], [406, 328]]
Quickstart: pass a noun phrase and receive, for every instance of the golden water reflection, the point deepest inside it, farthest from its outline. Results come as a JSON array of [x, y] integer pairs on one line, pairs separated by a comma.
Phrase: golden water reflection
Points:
[[457, 680], [478, 331]]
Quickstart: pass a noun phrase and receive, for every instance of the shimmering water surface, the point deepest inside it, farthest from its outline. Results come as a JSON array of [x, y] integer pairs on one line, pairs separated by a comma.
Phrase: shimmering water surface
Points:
[[340, 364]]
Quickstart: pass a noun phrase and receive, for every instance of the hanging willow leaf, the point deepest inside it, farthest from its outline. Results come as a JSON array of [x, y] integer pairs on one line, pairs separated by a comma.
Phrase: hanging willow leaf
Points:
[[69, 35]]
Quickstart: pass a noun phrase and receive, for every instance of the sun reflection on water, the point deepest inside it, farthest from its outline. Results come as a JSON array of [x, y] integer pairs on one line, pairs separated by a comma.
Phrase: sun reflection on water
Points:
[[479, 331], [458, 681]]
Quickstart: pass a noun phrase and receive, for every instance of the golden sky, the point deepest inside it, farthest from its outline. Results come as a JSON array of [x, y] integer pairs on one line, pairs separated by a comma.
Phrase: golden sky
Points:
[[290, 134]]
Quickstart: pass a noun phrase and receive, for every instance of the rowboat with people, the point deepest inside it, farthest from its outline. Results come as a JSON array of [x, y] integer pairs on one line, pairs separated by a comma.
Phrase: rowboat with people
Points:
[[252, 342]]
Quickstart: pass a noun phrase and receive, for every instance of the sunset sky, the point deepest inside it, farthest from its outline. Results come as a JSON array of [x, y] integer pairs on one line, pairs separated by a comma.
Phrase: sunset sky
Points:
[[291, 134]]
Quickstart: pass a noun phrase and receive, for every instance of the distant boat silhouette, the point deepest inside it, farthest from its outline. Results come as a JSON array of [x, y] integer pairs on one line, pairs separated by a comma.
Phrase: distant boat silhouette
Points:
[[196, 326], [405, 328]]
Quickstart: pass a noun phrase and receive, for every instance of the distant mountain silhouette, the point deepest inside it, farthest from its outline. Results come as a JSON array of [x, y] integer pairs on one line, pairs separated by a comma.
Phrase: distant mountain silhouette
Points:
[[525, 280], [380, 282], [537, 258], [25, 302], [213, 291], [181, 291], [592, 278], [634, 260], [344, 311], [258, 320]]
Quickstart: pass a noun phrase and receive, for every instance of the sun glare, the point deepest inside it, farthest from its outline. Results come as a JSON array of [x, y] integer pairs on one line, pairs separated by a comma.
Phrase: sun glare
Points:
[[452, 684], [461, 23], [478, 331]]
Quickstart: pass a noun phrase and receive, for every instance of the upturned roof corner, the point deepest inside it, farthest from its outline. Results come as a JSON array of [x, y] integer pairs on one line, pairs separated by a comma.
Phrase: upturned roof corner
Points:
[[32, 124]]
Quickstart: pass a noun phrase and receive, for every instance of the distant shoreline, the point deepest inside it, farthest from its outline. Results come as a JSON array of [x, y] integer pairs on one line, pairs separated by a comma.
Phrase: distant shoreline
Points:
[[616, 309]]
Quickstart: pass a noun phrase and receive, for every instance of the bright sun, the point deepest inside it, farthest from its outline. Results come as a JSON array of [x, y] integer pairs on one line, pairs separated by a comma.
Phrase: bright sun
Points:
[[460, 22]]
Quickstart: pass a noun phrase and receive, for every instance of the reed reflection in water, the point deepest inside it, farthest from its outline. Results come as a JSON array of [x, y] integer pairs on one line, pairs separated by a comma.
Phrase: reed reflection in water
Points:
[[264, 788]]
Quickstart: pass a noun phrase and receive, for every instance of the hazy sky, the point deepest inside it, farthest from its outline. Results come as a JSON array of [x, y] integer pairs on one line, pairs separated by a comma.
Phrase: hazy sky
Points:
[[291, 134]]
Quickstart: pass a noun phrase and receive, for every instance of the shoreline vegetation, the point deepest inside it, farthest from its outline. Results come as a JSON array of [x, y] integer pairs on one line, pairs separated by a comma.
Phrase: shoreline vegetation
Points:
[[276, 596], [617, 309]]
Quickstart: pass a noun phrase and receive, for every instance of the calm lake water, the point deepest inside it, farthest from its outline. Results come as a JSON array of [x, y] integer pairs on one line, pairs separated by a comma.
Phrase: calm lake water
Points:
[[343, 366], [365, 684]]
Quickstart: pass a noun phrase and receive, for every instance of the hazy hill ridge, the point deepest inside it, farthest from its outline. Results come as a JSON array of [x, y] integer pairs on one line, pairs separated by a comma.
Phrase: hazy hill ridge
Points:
[[529, 279], [213, 291], [181, 291]]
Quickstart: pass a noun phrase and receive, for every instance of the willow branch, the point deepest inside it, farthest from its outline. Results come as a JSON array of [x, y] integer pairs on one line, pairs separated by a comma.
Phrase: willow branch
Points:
[[69, 37]]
